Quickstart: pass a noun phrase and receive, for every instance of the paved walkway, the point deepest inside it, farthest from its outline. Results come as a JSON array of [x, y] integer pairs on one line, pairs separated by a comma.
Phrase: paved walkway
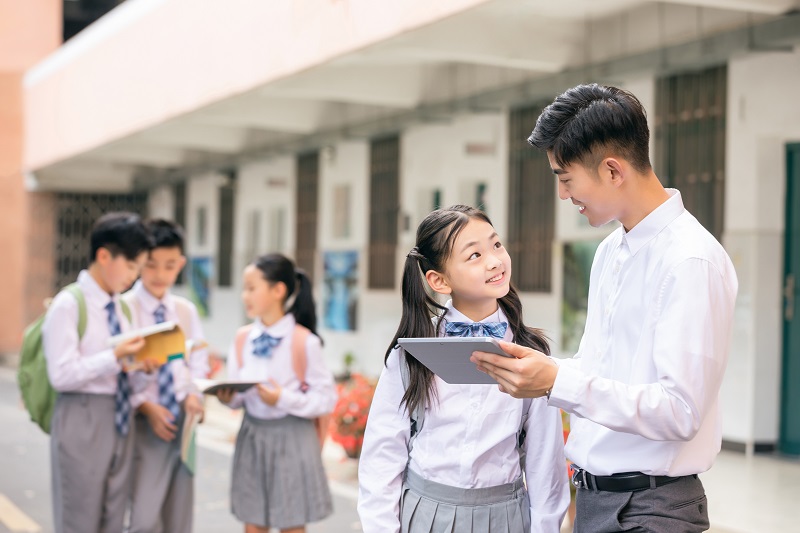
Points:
[[746, 494]]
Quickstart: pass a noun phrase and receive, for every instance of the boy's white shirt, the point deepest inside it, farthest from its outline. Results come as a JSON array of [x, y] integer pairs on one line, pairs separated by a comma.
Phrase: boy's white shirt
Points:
[[85, 365], [319, 399], [468, 440], [145, 386]]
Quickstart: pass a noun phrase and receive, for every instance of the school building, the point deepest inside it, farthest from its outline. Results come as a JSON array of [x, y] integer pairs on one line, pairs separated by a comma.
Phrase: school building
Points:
[[326, 129]]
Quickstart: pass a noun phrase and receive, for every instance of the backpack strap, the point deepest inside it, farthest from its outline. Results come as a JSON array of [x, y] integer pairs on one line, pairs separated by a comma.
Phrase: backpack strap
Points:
[[299, 357], [417, 417], [238, 343], [75, 290], [526, 407], [184, 311]]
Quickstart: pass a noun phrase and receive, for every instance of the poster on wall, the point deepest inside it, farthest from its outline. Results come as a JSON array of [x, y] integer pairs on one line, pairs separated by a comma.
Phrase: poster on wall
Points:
[[199, 283], [578, 258], [341, 298]]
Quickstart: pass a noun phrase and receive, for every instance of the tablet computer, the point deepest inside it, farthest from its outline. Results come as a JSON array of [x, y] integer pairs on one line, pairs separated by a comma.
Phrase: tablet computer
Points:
[[448, 357]]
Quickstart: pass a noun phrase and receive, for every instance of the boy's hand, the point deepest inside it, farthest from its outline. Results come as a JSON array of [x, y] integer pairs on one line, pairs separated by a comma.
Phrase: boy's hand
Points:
[[128, 347], [225, 395], [160, 419], [269, 394], [194, 406]]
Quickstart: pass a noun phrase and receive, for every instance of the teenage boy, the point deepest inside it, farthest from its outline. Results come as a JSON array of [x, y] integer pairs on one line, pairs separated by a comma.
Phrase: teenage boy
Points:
[[643, 389], [91, 438], [163, 490]]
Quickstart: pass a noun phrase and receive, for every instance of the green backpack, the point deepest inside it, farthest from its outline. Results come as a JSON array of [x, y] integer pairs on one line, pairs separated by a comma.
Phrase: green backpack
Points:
[[38, 395]]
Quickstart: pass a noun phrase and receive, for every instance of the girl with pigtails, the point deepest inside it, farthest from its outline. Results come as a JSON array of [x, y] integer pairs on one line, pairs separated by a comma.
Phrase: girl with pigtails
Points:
[[442, 457]]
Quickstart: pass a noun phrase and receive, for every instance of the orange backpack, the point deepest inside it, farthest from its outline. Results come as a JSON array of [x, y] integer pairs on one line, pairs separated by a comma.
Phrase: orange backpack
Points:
[[299, 364]]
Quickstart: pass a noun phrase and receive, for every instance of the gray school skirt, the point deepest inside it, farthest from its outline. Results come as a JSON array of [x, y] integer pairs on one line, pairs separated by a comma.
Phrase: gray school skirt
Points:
[[278, 479], [430, 507]]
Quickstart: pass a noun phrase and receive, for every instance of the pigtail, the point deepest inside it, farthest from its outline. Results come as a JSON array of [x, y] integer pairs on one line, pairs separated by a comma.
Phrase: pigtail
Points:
[[523, 335], [419, 309], [303, 307]]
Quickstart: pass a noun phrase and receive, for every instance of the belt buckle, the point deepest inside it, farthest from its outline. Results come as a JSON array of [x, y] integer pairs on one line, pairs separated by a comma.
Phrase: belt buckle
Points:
[[579, 477]]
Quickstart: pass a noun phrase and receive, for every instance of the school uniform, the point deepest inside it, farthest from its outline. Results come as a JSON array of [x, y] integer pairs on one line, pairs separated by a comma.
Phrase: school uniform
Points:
[[462, 469], [91, 436], [278, 479], [644, 385], [163, 488]]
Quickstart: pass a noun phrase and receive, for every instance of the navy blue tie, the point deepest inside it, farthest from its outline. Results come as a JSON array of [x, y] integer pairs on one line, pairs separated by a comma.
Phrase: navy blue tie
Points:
[[476, 329], [263, 345], [122, 404], [166, 383]]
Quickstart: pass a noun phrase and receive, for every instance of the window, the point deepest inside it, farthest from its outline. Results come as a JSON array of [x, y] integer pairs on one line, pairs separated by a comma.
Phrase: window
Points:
[[179, 194], [531, 205], [307, 209], [227, 193], [690, 141], [384, 211]]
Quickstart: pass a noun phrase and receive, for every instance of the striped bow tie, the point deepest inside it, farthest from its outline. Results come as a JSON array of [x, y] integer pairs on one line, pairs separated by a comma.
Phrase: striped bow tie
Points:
[[476, 329], [263, 345]]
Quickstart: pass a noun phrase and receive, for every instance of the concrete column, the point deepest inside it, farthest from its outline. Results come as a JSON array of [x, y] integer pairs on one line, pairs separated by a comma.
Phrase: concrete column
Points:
[[28, 32]]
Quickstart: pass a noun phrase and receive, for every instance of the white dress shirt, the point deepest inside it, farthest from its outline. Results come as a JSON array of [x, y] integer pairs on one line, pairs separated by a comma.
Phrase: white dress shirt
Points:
[[195, 364], [319, 399], [87, 365], [468, 440], [644, 385]]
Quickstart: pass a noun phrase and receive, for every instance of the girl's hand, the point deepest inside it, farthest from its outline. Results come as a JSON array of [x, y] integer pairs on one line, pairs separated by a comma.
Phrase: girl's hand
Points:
[[269, 393], [194, 406], [225, 395], [160, 419]]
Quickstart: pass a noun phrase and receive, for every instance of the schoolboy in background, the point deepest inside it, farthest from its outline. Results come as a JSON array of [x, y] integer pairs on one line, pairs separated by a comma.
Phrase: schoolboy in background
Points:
[[163, 489], [91, 438]]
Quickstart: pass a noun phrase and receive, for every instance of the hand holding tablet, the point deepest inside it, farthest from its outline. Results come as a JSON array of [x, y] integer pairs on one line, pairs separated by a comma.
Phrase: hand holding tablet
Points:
[[448, 357]]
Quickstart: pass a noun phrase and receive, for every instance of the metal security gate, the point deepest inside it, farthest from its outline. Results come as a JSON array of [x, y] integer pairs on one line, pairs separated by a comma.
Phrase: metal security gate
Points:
[[690, 141], [531, 205], [75, 215]]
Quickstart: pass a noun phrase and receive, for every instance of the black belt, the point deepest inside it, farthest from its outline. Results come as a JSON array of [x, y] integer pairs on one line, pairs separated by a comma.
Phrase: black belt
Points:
[[625, 482]]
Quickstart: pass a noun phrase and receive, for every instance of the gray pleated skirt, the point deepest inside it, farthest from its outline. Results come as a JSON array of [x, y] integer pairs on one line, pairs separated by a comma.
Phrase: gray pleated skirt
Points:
[[278, 478], [430, 507]]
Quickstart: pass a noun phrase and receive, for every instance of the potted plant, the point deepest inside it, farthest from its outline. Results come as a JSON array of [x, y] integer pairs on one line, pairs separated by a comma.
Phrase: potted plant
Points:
[[349, 417]]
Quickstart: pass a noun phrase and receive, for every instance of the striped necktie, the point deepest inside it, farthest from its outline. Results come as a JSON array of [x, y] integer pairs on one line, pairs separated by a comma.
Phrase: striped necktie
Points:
[[122, 404], [166, 382]]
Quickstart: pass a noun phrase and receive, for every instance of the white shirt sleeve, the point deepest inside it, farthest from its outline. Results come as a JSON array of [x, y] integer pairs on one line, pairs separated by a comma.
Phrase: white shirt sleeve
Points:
[[546, 468], [67, 368], [320, 398], [384, 454], [691, 329]]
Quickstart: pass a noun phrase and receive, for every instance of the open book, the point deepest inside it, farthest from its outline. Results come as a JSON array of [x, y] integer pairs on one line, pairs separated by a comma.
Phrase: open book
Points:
[[211, 386], [163, 343]]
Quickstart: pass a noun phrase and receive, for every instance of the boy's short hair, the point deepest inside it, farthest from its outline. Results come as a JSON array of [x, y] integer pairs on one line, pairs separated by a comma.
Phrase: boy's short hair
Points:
[[120, 233], [165, 233], [587, 122]]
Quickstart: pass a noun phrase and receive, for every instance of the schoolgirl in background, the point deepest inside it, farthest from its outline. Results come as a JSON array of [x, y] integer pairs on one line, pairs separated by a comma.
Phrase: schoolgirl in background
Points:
[[278, 478]]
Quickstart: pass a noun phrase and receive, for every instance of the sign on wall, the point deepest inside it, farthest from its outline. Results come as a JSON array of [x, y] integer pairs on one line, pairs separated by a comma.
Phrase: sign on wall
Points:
[[341, 297]]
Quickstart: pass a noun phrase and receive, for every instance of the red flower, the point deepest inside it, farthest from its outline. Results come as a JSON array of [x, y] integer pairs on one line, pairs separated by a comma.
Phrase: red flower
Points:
[[349, 417]]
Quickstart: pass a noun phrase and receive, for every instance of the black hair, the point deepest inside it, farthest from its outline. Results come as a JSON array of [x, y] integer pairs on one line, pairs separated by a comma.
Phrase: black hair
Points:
[[277, 268], [120, 233], [422, 314], [588, 121], [166, 233]]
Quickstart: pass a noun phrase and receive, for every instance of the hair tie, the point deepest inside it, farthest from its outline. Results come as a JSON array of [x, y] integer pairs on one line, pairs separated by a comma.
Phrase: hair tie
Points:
[[414, 252], [292, 297]]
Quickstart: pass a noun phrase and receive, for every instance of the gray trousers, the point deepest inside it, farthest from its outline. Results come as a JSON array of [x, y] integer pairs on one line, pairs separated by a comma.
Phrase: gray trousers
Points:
[[90, 465], [163, 488], [678, 507]]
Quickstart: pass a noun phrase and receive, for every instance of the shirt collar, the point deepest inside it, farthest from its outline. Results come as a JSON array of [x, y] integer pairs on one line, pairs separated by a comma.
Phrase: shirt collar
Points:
[[652, 224], [90, 287], [149, 302], [454, 315], [279, 329]]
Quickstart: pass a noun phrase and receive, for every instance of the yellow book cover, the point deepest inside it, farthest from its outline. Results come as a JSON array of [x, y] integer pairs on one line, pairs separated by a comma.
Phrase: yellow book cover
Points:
[[163, 343]]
